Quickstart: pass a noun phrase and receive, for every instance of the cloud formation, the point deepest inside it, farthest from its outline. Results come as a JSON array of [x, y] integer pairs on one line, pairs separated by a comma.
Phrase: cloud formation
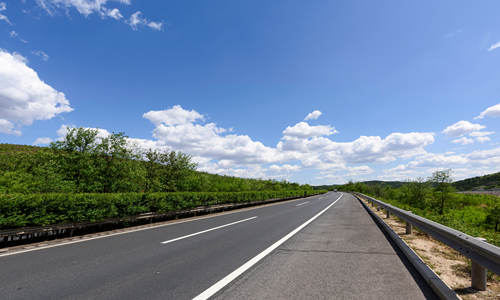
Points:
[[100, 8], [492, 111], [463, 141], [313, 115], [311, 149], [44, 56], [41, 141], [24, 97], [304, 130], [494, 46], [462, 128], [3, 17], [136, 20]]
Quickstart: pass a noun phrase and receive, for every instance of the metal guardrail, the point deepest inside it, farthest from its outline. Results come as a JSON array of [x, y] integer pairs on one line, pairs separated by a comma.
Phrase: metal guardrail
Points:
[[480, 252]]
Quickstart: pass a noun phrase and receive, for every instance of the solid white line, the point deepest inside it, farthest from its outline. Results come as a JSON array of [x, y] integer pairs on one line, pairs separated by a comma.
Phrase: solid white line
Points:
[[302, 203], [211, 229], [226, 280]]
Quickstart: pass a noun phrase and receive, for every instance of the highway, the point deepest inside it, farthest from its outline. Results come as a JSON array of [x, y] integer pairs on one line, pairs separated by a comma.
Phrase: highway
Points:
[[229, 256]]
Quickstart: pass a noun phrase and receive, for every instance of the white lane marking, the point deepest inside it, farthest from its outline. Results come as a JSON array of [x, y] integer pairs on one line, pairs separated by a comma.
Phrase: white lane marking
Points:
[[302, 203], [211, 229], [226, 280]]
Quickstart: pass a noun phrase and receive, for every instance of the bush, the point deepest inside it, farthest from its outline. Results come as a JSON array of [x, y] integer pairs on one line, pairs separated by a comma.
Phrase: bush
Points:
[[18, 210]]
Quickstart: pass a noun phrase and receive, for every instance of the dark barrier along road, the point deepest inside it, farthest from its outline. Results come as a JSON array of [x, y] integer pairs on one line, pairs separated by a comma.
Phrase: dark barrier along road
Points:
[[203, 257]]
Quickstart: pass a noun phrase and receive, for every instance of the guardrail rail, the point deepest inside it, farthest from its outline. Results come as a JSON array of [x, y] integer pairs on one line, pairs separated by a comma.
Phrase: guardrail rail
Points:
[[483, 255]]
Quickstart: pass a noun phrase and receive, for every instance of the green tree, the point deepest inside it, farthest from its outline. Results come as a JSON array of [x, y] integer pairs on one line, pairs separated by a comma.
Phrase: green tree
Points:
[[441, 181], [417, 190], [116, 164]]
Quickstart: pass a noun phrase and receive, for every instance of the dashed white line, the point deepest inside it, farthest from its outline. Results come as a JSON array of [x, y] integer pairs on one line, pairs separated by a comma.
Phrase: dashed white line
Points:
[[207, 230], [302, 203], [226, 280]]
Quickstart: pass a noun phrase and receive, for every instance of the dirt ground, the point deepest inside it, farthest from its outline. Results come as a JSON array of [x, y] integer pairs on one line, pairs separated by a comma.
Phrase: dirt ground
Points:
[[452, 267]]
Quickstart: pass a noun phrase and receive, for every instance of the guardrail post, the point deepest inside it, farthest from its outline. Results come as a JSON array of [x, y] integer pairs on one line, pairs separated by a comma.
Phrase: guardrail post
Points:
[[388, 213], [378, 207], [408, 227], [478, 274]]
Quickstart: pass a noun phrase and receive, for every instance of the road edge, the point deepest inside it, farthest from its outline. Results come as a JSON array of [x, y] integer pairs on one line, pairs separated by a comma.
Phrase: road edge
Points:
[[442, 290]]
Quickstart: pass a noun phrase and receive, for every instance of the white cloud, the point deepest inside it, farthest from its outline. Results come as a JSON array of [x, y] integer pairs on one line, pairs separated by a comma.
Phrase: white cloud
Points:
[[313, 115], [84, 7], [494, 46], [461, 128], [482, 136], [483, 139], [136, 20], [42, 141], [481, 133], [25, 98], [463, 141], [492, 111], [484, 154], [320, 152], [304, 130], [3, 17], [113, 13], [173, 116], [463, 165], [178, 129], [8, 128], [284, 167], [13, 34], [99, 7], [155, 25], [44, 56]]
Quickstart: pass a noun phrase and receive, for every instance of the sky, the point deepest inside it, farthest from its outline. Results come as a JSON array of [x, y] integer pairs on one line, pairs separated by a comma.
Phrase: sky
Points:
[[317, 92]]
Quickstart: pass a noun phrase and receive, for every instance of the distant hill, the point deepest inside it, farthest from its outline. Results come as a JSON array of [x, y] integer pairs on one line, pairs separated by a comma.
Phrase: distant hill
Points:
[[486, 182], [392, 184], [480, 183]]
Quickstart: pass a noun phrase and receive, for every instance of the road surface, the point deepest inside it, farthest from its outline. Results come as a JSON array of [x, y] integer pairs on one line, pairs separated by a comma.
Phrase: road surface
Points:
[[197, 258]]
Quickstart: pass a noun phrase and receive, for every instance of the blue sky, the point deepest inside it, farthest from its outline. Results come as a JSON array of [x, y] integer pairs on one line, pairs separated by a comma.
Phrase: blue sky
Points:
[[231, 82]]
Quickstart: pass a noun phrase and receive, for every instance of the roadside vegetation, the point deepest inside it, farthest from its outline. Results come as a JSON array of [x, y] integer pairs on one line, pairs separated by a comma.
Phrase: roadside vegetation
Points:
[[85, 177], [435, 199]]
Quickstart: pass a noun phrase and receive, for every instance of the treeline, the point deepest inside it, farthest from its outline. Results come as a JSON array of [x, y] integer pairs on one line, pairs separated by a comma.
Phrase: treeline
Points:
[[83, 162], [486, 182], [434, 198]]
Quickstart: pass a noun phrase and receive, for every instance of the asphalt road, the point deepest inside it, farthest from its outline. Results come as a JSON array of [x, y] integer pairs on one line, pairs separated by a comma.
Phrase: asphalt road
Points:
[[179, 261], [341, 255]]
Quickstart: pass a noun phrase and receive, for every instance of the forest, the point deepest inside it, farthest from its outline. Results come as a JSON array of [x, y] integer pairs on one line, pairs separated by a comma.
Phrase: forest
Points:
[[84, 163]]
